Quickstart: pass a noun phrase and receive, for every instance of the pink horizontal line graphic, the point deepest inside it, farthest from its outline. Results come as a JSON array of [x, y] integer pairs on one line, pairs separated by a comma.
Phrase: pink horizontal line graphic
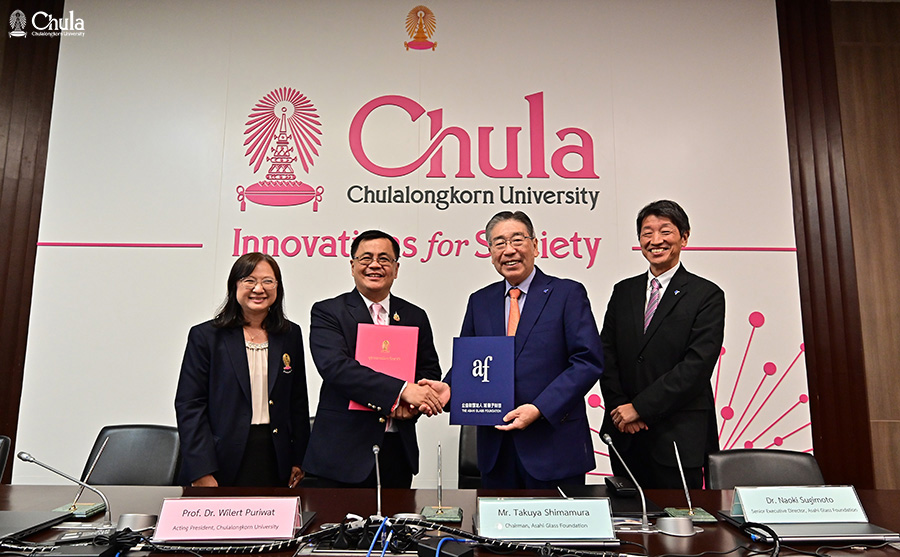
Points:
[[114, 245], [728, 248]]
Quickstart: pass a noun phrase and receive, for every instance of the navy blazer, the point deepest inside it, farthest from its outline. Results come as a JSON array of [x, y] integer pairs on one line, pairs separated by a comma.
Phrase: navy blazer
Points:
[[340, 446], [666, 371], [213, 408], [558, 358]]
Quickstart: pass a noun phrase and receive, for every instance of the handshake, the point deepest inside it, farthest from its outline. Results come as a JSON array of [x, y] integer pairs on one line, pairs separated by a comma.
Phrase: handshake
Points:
[[425, 397], [429, 397]]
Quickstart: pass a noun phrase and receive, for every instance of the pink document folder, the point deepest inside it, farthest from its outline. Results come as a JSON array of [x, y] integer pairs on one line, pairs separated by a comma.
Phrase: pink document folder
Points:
[[388, 349]]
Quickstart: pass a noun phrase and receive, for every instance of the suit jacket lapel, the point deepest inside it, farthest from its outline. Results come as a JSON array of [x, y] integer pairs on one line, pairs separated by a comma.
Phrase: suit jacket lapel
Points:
[[637, 301], [673, 294], [360, 313], [535, 300], [237, 352], [397, 308], [357, 307], [497, 311], [276, 355]]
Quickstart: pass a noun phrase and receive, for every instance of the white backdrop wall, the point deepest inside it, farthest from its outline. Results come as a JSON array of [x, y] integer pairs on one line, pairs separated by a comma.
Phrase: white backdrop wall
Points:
[[142, 220]]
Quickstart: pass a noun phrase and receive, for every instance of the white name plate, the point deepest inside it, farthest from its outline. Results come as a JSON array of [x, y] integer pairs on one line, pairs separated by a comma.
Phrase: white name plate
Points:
[[780, 505], [536, 519], [228, 518]]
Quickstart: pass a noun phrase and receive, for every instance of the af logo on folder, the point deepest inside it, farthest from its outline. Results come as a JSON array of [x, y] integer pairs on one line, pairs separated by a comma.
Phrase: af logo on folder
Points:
[[390, 350], [483, 380]]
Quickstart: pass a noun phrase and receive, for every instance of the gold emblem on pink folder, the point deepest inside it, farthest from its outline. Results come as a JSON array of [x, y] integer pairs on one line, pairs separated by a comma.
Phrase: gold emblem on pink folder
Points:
[[387, 350]]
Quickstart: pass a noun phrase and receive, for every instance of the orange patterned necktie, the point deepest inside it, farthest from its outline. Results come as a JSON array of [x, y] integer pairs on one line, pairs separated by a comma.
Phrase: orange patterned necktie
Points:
[[513, 312]]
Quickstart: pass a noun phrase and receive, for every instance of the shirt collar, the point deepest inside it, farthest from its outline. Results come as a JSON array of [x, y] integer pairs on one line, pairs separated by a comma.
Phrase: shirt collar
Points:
[[523, 286], [665, 278], [386, 303]]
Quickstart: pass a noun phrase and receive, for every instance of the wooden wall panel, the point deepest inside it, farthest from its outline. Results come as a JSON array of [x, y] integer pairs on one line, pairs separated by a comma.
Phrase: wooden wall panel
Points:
[[828, 290], [867, 52], [27, 79]]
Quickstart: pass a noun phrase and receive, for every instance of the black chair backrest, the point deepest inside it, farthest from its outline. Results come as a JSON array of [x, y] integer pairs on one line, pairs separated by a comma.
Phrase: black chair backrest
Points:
[[761, 467], [136, 454], [4, 453], [469, 475]]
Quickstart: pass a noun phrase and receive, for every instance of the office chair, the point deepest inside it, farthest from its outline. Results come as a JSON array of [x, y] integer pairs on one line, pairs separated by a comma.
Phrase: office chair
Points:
[[136, 454], [761, 467], [469, 475], [4, 453]]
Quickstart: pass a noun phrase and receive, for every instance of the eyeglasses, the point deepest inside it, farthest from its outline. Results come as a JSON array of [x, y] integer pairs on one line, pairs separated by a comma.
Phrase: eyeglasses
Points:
[[367, 259], [250, 283], [516, 242]]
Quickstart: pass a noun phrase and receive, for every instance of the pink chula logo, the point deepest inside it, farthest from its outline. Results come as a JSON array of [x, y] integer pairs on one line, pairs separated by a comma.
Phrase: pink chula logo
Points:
[[282, 117]]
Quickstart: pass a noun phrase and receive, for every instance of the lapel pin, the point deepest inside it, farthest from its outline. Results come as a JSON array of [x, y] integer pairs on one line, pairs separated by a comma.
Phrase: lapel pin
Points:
[[546, 290], [677, 291], [396, 317], [287, 362]]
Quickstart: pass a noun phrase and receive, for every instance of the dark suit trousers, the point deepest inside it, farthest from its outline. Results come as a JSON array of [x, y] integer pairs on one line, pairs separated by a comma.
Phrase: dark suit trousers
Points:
[[395, 470], [508, 472], [653, 475]]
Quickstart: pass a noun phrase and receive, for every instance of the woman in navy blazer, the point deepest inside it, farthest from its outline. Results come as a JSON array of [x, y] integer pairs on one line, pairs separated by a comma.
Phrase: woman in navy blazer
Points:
[[241, 402]]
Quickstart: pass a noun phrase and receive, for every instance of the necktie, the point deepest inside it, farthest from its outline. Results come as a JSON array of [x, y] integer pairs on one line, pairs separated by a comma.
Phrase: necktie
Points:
[[377, 316], [653, 303], [381, 319], [513, 312]]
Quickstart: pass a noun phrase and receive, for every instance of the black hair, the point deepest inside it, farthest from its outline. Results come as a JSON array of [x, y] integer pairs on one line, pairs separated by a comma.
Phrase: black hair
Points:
[[374, 235], [230, 313], [666, 209], [508, 215]]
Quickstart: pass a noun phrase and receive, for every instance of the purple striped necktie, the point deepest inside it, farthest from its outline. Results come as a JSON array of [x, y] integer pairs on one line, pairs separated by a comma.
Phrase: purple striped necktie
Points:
[[652, 304]]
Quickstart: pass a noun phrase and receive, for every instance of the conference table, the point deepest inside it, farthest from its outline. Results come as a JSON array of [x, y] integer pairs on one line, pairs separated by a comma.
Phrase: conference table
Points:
[[331, 506]]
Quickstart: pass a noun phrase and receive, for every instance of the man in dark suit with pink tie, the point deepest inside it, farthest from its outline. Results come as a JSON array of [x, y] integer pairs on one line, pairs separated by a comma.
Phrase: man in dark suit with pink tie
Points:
[[662, 336], [340, 444]]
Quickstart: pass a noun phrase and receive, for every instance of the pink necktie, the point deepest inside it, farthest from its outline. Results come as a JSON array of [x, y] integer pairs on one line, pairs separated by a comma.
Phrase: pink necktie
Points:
[[652, 304], [377, 316], [380, 319]]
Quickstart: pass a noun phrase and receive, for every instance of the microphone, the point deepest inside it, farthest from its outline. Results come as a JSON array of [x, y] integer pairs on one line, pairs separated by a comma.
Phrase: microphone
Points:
[[375, 450], [646, 527], [28, 458], [74, 505], [687, 493], [440, 513]]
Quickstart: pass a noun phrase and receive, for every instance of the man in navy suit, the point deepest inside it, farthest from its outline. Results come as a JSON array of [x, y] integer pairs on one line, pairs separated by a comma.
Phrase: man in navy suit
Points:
[[662, 336], [546, 441], [340, 451]]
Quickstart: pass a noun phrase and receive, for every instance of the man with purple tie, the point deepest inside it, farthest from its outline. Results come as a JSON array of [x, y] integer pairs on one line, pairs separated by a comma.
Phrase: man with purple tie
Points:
[[662, 336]]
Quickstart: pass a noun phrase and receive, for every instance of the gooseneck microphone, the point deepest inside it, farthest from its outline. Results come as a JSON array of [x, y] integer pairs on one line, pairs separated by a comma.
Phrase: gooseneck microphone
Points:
[[375, 450], [28, 458], [646, 527]]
